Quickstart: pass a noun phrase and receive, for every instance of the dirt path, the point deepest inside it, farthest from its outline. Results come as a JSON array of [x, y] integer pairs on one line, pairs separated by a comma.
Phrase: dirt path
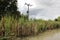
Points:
[[48, 35]]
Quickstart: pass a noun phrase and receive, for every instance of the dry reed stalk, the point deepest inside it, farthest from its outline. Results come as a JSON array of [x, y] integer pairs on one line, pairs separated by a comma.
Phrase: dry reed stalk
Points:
[[3, 26]]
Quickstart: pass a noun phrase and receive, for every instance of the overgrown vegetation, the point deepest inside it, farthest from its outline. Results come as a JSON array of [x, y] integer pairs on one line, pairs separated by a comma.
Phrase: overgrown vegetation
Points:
[[23, 27]]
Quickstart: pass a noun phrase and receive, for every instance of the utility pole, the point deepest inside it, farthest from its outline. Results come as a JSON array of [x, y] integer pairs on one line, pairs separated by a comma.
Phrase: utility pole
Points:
[[28, 10]]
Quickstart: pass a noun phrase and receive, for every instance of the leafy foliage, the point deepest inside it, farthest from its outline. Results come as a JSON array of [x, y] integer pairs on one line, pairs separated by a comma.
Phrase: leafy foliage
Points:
[[8, 7]]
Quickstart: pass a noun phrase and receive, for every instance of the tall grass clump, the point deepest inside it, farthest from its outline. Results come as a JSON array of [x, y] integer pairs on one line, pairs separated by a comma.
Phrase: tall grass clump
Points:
[[8, 25]]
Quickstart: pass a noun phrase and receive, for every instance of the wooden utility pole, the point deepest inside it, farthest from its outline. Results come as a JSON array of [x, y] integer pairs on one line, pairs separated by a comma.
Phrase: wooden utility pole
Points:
[[28, 10]]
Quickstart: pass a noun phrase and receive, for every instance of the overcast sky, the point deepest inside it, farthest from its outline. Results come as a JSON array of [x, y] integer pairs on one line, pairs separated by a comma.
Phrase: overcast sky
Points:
[[45, 9]]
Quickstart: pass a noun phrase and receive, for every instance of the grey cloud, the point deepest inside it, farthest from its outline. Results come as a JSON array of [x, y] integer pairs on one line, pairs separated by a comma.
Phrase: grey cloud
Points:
[[44, 2], [51, 8], [35, 11]]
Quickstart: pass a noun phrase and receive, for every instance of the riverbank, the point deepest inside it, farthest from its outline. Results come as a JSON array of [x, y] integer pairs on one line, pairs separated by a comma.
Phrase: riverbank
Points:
[[47, 35]]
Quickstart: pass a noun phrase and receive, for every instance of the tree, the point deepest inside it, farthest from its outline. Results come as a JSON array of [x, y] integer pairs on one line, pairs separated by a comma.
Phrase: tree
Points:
[[8, 6], [57, 19]]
